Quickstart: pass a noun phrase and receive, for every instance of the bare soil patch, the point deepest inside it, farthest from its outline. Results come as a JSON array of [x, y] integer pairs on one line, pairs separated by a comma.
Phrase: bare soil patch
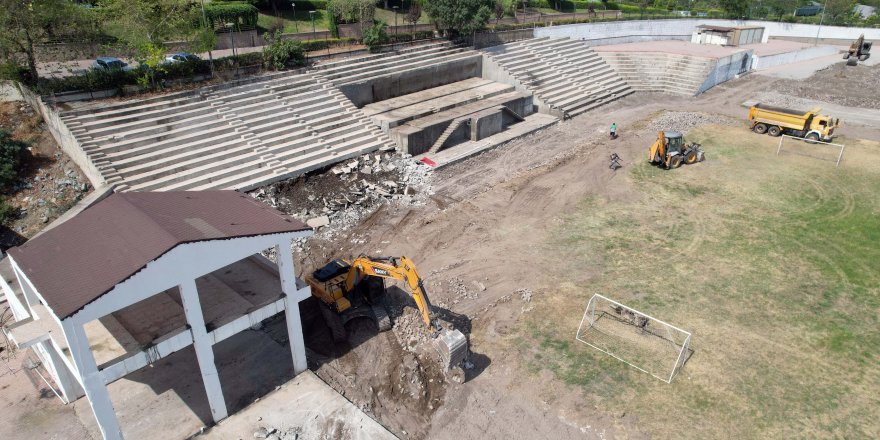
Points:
[[853, 86]]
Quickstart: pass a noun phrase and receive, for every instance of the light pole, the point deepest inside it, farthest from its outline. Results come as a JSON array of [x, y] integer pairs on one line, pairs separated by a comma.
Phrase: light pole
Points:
[[395, 18], [210, 54], [312, 16], [295, 23], [820, 23]]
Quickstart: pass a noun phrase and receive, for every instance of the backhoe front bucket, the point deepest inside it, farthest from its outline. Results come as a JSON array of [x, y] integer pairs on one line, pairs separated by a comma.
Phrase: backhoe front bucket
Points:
[[452, 346]]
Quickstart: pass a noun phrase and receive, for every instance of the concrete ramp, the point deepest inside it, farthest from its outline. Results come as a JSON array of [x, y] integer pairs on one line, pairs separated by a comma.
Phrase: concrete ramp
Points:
[[305, 408]]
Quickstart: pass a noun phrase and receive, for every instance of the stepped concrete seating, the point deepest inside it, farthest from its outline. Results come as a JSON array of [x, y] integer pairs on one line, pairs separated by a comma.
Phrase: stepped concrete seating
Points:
[[377, 66], [566, 77], [232, 136], [661, 72]]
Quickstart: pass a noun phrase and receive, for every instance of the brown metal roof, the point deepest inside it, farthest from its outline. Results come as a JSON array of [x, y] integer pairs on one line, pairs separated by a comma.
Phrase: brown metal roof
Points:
[[710, 27], [83, 258]]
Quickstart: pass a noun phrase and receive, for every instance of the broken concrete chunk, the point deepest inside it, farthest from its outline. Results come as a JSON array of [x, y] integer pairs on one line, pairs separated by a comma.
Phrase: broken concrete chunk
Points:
[[367, 170], [318, 222], [390, 183]]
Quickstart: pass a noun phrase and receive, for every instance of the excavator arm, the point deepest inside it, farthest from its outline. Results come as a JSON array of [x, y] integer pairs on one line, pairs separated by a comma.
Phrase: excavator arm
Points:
[[450, 344], [657, 153], [401, 268]]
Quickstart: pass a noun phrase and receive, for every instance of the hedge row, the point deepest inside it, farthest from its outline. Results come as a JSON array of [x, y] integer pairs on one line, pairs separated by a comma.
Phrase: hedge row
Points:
[[567, 5], [244, 14]]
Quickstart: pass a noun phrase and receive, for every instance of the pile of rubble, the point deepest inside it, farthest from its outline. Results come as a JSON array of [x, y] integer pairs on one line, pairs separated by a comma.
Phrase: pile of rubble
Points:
[[787, 101], [340, 198], [271, 433], [686, 121], [410, 329]]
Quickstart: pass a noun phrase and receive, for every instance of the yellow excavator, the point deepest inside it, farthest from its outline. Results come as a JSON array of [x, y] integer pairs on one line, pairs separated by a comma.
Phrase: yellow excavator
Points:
[[859, 50], [670, 150], [356, 289]]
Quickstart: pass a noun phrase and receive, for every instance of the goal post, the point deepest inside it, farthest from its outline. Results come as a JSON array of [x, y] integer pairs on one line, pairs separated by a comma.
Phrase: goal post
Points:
[[635, 338], [839, 147]]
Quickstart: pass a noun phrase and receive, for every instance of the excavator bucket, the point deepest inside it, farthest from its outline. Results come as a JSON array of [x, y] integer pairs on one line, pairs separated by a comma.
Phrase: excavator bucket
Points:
[[452, 346]]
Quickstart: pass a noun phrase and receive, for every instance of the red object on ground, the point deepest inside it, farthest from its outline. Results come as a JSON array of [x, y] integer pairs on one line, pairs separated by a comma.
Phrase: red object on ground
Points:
[[429, 162]]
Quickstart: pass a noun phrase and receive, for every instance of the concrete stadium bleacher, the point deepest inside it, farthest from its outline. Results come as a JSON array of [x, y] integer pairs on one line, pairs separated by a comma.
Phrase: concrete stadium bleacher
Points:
[[238, 137], [566, 77], [660, 72]]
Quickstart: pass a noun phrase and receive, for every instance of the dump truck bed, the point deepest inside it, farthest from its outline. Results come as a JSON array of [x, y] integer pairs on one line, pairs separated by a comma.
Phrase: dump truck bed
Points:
[[781, 116]]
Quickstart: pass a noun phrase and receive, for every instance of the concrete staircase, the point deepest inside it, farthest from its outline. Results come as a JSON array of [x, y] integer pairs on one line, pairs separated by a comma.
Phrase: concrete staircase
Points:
[[566, 77], [234, 136], [660, 72]]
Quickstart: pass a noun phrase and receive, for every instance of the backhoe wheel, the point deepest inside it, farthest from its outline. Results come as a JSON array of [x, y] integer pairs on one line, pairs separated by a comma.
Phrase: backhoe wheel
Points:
[[692, 157], [760, 128], [774, 131], [675, 161]]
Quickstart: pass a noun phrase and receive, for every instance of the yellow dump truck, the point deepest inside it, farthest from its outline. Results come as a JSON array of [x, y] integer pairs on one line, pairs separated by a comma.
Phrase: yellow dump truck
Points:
[[777, 121]]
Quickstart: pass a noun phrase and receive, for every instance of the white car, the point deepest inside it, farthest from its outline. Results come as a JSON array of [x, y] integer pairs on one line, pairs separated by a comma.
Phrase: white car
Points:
[[180, 57]]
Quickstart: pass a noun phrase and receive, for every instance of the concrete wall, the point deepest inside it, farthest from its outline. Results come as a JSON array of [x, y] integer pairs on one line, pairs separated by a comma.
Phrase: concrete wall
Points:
[[412, 80], [493, 71], [726, 69], [63, 136], [681, 29], [809, 53]]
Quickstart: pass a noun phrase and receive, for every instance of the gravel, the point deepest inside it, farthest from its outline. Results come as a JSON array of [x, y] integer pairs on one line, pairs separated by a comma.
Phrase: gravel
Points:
[[852, 86], [686, 121]]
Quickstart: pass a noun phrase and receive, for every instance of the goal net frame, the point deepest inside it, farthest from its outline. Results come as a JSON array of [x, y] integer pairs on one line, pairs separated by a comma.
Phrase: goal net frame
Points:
[[808, 141], [671, 334]]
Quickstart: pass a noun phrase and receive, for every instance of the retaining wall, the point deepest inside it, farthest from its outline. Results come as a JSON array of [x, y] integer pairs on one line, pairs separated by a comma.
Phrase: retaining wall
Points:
[[766, 61], [63, 136], [412, 80], [726, 69], [619, 32]]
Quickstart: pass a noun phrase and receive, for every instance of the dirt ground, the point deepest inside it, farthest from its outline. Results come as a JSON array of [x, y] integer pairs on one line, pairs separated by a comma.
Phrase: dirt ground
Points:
[[50, 183], [853, 86], [486, 237], [481, 240]]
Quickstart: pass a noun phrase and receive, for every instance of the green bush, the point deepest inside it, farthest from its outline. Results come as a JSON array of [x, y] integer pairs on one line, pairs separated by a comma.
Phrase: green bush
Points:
[[12, 152], [314, 45], [375, 36], [352, 11], [403, 37], [5, 211], [280, 52], [240, 13], [13, 71]]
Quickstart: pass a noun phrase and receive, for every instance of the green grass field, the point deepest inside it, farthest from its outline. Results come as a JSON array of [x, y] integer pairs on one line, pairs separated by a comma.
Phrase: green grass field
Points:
[[772, 262]]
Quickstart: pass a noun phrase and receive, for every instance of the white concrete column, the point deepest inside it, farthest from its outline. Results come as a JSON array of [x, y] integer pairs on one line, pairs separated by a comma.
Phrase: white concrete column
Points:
[[64, 377], [29, 294], [92, 380], [189, 294], [287, 273]]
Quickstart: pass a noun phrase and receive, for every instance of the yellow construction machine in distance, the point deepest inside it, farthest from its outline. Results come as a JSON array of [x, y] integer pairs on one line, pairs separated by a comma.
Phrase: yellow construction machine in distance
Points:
[[670, 150]]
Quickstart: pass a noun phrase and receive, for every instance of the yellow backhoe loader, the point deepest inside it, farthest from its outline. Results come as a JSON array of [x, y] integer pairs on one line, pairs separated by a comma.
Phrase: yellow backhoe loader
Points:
[[355, 289], [670, 150]]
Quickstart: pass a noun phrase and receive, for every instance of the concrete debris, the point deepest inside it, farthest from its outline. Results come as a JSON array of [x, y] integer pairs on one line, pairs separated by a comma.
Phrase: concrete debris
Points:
[[350, 192], [318, 222], [271, 433], [524, 294], [686, 121]]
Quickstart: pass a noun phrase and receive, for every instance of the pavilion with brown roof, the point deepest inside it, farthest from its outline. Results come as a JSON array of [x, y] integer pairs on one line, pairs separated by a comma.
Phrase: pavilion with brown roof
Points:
[[139, 256]]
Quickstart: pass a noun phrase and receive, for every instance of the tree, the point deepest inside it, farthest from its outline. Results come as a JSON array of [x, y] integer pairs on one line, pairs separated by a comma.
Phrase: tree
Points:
[[375, 35], [735, 8], [25, 24], [280, 52], [837, 9], [459, 17], [414, 14], [143, 26], [500, 10], [12, 152], [781, 8]]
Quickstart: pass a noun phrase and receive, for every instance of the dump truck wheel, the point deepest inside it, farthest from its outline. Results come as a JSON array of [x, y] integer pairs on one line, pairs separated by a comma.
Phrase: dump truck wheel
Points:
[[812, 137], [760, 128], [691, 157], [774, 131]]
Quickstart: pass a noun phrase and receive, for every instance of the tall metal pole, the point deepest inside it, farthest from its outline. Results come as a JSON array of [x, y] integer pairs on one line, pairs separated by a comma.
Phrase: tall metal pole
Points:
[[822, 19], [295, 23], [210, 54]]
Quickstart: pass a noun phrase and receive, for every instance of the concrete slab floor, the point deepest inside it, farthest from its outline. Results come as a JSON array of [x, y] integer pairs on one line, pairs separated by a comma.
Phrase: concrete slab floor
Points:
[[304, 408], [167, 400]]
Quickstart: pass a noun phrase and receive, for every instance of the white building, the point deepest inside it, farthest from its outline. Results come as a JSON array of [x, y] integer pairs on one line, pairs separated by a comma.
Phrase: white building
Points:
[[156, 259]]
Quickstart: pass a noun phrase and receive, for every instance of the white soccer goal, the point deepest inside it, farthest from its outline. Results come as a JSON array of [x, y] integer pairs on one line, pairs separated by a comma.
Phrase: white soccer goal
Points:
[[791, 139], [641, 341]]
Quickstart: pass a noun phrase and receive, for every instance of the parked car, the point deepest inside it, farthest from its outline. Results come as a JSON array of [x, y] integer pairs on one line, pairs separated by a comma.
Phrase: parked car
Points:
[[180, 57], [110, 63]]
